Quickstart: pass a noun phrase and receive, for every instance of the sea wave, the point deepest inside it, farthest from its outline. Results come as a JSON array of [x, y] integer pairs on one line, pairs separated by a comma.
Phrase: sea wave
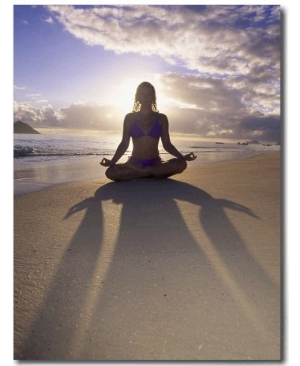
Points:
[[72, 146], [31, 151]]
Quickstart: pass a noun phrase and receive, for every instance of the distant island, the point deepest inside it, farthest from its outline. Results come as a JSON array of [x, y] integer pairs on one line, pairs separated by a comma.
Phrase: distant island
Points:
[[254, 142], [21, 127]]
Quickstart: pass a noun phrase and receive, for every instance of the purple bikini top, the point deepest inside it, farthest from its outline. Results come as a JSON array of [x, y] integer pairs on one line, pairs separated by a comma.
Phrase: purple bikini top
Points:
[[136, 132]]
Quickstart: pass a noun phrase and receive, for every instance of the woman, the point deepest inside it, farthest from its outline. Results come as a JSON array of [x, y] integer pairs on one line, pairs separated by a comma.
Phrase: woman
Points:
[[145, 125]]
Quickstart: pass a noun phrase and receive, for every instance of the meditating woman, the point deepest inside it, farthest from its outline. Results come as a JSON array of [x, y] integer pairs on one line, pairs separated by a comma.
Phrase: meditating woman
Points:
[[145, 125]]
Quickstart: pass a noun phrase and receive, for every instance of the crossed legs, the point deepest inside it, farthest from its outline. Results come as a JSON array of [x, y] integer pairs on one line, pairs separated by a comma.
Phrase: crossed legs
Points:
[[129, 171]]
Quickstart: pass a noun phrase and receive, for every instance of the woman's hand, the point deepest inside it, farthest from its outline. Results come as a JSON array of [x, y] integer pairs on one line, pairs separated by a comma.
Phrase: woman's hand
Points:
[[189, 157], [106, 162]]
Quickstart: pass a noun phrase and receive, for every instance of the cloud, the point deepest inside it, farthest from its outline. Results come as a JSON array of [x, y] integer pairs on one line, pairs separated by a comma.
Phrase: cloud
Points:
[[261, 127], [36, 117], [213, 108], [206, 106], [76, 116], [229, 57], [48, 20], [17, 87], [228, 40]]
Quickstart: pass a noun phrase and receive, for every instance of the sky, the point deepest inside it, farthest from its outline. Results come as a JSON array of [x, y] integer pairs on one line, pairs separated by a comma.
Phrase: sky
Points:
[[215, 68]]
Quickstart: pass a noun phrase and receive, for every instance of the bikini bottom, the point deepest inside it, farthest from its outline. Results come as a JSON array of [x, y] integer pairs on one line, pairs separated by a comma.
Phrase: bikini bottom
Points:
[[144, 162]]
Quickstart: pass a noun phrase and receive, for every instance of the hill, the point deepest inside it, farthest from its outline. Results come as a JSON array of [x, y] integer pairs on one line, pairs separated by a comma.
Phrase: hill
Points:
[[21, 127], [253, 142]]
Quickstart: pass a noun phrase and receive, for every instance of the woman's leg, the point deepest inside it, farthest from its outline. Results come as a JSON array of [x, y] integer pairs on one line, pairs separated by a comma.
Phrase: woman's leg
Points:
[[126, 171], [129, 171], [168, 168]]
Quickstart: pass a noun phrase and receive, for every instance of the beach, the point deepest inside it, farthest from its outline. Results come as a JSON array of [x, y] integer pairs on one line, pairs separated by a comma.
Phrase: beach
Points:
[[187, 268]]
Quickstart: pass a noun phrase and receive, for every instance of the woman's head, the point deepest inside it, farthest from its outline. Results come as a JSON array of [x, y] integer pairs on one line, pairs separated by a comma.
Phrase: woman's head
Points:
[[145, 96]]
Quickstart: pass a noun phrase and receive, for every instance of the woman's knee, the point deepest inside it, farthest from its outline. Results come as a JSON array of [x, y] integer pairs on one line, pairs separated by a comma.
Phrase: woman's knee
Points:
[[174, 166], [111, 173], [182, 165]]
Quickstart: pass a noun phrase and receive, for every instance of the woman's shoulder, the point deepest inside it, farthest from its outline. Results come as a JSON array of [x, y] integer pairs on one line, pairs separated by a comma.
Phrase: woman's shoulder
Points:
[[162, 117], [130, 117]]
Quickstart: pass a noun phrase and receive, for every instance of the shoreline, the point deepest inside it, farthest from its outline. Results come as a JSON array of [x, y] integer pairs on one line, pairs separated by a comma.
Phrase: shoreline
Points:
[[37, 176], [187, 268]]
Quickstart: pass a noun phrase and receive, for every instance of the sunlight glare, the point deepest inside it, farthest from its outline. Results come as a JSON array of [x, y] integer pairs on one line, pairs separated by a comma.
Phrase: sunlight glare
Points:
[[123, 95]]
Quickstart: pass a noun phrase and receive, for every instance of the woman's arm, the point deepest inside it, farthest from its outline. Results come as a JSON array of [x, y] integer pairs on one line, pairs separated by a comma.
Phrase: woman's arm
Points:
[[165, 138], [123, 146], [166, 141]]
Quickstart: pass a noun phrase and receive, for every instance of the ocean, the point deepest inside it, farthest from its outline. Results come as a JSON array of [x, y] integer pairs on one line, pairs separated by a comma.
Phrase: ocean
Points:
[[41, 161]]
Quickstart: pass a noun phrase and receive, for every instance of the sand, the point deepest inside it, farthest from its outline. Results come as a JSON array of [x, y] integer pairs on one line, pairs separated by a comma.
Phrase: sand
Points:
[[187, 268]]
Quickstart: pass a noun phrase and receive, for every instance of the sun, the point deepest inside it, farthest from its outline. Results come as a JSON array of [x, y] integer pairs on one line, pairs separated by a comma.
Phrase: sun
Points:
[[122, 94], [125, 92]]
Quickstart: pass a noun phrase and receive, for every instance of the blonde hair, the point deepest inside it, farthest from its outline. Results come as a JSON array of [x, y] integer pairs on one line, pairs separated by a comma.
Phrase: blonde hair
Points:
[[137, 104]]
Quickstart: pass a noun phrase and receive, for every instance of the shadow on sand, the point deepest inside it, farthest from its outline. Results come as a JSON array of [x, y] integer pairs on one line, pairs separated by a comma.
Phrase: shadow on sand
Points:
[[159, 291]]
